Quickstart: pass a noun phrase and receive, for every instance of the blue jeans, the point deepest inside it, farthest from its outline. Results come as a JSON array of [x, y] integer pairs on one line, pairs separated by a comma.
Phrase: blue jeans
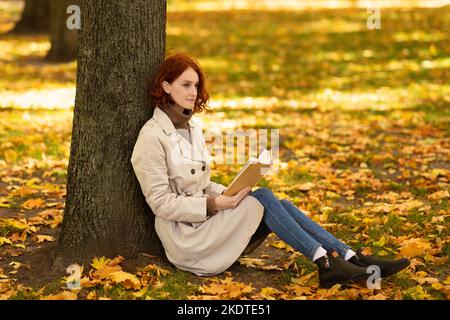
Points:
[[294, 227]]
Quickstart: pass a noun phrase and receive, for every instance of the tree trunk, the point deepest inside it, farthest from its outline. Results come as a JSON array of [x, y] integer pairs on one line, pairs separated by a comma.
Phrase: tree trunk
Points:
[[64, 41], [35, 17], [121, 45]]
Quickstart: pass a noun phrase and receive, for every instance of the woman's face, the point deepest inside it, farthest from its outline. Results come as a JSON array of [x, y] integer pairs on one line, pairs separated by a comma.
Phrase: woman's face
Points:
[[184, 89]]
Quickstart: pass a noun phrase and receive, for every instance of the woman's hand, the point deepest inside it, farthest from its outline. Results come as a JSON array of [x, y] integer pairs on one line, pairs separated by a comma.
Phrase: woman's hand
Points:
[[225, 202]]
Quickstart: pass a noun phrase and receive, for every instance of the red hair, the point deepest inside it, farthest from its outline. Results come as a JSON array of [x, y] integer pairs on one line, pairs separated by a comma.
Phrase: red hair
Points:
[[172, 67]]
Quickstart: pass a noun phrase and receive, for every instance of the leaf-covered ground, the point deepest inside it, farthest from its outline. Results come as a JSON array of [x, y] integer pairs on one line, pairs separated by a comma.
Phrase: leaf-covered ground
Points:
[[363, 117]]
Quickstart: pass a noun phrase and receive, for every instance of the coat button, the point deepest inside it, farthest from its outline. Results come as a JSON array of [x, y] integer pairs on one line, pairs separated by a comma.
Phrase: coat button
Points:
[[203, 168], [193, 171]]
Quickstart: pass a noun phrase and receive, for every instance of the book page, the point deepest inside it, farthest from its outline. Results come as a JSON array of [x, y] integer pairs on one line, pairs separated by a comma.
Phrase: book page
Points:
[[250, 174]]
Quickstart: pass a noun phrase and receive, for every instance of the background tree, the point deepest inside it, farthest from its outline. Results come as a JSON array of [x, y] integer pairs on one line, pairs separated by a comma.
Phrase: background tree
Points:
[[121, 44], [35, 17], [64, 41]]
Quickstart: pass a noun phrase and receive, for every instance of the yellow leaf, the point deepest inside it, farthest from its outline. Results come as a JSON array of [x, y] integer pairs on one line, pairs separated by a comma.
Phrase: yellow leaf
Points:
[[16, 236], [421, 274], [379, 296], [300, 290], [99, 263], [281, 245], [438, 286], [18, 265], [117, 260], [4, 240], [269, 293], [92, 295], [24, 191], [439, 172], [41, 238], [128, 280], [227, 289], [4, 202], [429, 280], [106, 271], [439, 195], [306, 186], [326, 209], [332, 195], [11, 223], [10, 155], [414, 247], [66, 295], [33, 203], [367, 251], [155, 269], [303, 280], [380, 242]]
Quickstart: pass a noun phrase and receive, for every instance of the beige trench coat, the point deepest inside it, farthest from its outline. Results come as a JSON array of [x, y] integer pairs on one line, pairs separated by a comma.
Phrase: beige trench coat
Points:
[[175, 178]]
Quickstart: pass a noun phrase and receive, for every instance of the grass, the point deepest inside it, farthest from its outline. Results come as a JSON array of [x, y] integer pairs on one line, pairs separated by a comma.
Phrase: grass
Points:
[[176, 286]]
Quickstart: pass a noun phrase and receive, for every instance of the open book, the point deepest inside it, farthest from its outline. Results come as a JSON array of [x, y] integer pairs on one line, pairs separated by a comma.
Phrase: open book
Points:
[[253, 170]]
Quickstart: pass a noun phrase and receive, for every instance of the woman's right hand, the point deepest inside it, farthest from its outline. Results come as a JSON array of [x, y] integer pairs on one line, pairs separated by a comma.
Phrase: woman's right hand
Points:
[[225, 202]]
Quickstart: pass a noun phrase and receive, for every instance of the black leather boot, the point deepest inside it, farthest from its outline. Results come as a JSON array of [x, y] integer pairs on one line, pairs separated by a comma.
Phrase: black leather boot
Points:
[[387, 267], [334, 269]]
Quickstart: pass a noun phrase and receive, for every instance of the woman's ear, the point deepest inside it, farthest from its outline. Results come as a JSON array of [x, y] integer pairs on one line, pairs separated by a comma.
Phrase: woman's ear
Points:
[[165, 86]]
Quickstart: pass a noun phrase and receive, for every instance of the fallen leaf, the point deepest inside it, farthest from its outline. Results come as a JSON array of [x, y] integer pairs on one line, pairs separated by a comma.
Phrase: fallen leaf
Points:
[[269, 293], [227, 289], [306, 186], [106, 271], [303, 280], [299, 290], [128, 280], [33, 203], [281, 245], [367, 251], [438, 286], [25, 191], [437, 196], [257, 263], [156, 269], [41, 238], [379, 296], [10, 155], [4, 202], [18, 265], [117, 260], [4, 240], [66, 295], [414, 247], [99, 263]]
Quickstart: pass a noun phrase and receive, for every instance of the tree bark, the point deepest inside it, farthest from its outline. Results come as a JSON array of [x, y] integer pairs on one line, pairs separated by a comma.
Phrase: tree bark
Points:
[[35, 17], [121, 44], [64, 41]]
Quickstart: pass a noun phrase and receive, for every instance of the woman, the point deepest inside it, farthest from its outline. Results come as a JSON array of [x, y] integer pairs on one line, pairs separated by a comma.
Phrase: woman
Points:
[[203, 231]]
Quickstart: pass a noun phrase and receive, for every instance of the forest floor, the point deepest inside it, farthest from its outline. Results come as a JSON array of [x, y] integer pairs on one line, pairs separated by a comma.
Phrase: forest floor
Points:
[[363, 120]]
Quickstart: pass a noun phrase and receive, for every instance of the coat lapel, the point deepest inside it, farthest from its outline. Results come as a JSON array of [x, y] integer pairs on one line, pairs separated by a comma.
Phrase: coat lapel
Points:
[[194, 151]]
